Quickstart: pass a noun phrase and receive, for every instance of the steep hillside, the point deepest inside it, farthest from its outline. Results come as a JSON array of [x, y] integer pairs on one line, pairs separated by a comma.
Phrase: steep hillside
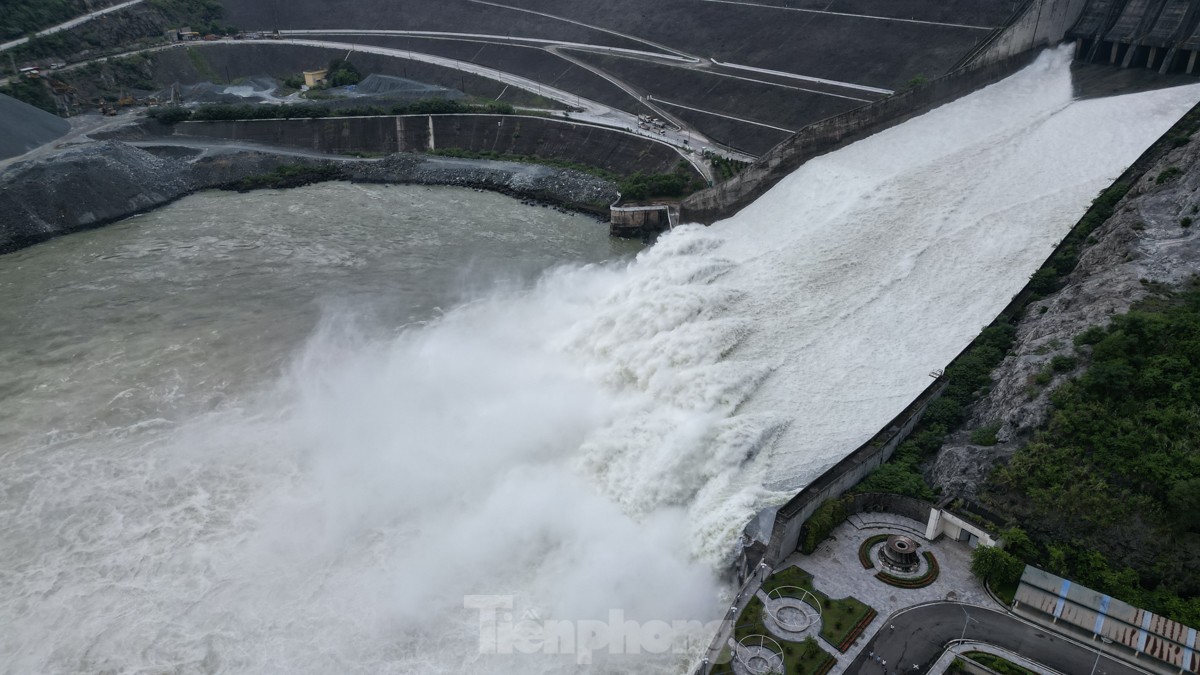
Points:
[[1088, 437], [1148, 243]]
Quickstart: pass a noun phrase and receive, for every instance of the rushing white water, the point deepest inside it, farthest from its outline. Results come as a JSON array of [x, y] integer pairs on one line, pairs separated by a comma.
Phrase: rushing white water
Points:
[[596, 442]]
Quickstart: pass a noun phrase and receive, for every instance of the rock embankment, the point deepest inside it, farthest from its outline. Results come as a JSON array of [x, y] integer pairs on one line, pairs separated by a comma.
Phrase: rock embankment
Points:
[[1149, 241], [572, 189], [97, 183]]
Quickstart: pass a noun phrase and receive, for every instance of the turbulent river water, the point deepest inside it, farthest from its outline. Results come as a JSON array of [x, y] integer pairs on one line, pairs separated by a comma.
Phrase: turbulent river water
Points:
[[301, 431]]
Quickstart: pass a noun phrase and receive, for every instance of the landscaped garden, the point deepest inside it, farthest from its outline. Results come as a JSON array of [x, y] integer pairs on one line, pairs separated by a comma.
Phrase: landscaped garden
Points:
[[799, 658], [842, 620]]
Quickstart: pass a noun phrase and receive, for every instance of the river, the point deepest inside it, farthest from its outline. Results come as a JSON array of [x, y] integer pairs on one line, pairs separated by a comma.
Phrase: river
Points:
[[336, 429]]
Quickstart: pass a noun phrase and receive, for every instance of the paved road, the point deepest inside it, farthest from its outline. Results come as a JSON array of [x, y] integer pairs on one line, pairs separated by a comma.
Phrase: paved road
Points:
[[853, 16], [499, 39], [69, 24], [805, 78], [922, 634], [564, 19]]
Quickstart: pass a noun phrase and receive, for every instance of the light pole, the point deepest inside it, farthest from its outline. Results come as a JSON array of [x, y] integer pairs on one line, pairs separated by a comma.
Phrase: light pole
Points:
[[967, 618]]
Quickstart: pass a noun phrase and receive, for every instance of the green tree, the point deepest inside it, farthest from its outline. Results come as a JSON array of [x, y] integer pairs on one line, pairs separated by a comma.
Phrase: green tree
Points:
[[993, 564]]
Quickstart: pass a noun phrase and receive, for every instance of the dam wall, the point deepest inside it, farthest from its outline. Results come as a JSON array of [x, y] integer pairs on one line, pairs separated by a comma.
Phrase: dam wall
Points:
[[1041, 23], [790, 518], [788, 526], [729, 197], [543, 137]]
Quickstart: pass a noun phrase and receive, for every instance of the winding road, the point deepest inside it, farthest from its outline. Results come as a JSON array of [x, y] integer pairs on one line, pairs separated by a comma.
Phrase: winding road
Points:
[[923, 632]]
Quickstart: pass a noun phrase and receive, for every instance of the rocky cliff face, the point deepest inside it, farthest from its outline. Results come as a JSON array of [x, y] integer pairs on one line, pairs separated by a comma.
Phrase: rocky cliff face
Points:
[[1148, 241]]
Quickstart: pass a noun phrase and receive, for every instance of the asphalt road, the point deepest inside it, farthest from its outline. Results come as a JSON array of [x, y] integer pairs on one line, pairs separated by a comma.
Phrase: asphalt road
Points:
[[922, 634]]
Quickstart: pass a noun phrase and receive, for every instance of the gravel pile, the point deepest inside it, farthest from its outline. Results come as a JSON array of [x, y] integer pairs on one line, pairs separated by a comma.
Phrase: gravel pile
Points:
[[24, 127], [573, 189], [97, 183]]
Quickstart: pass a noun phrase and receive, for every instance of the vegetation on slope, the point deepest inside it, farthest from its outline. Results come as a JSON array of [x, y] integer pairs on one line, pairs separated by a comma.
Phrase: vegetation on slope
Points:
[[28, 16], [1109, 491], [32, 92], [1110, 488], [969, 379], [642, 186], [140, 24]]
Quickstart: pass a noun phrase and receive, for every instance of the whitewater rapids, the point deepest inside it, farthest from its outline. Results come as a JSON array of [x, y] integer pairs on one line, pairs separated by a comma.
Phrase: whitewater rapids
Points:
[[596, 441]]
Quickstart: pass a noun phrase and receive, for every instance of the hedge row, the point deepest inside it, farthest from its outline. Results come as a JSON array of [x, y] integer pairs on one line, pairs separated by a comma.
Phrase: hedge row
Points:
[[864, 551], [822, 522], [858, 629], [922, 581]]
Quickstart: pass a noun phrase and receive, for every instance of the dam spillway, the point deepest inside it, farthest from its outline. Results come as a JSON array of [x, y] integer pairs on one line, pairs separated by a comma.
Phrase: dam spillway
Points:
[[590, 441]]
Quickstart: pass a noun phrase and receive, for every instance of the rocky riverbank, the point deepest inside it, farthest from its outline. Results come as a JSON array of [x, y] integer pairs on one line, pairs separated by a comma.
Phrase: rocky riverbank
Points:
[[93, 184], [1149, 243]]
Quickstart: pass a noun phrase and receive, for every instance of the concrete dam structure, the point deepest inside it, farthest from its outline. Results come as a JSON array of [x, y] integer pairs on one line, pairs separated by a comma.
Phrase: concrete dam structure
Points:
[[543, 137], [1153, 34], [1162, 35]]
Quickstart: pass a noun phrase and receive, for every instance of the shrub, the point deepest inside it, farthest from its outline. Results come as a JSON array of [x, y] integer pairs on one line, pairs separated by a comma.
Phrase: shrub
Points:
[[1091, 336], [1185, 221], [986, 435], [823, 521], [169, 114], [1168, 174], [342, 73], [994, 564], [1044, 281], [1062, 363]]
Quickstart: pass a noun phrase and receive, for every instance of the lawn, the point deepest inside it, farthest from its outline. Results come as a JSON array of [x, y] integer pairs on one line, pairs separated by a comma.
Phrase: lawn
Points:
[[841, 620], [799, 658]]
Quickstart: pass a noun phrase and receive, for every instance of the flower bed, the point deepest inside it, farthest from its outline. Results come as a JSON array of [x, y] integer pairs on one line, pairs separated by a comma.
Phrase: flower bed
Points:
[[922, 581], [857, 630], [864, 551]]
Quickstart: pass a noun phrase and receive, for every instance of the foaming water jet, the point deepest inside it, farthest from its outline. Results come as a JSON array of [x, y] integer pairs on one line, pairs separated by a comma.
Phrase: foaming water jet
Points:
[[591, 442]]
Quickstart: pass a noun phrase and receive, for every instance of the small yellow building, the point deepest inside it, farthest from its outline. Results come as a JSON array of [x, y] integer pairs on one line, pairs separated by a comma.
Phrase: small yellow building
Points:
[[314, 77]]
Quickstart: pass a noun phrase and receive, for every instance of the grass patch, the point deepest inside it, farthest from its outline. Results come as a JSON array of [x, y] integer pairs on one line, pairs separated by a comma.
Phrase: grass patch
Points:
[[842, 620], [799, 658], [202, 66], [998, 664]]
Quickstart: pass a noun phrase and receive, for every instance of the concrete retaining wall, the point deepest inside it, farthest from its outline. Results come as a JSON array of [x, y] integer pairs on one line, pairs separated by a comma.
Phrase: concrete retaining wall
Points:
[[726, 199], [1042, 24], [884, 502], [638, 221], [544, 137], [790, 518]]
